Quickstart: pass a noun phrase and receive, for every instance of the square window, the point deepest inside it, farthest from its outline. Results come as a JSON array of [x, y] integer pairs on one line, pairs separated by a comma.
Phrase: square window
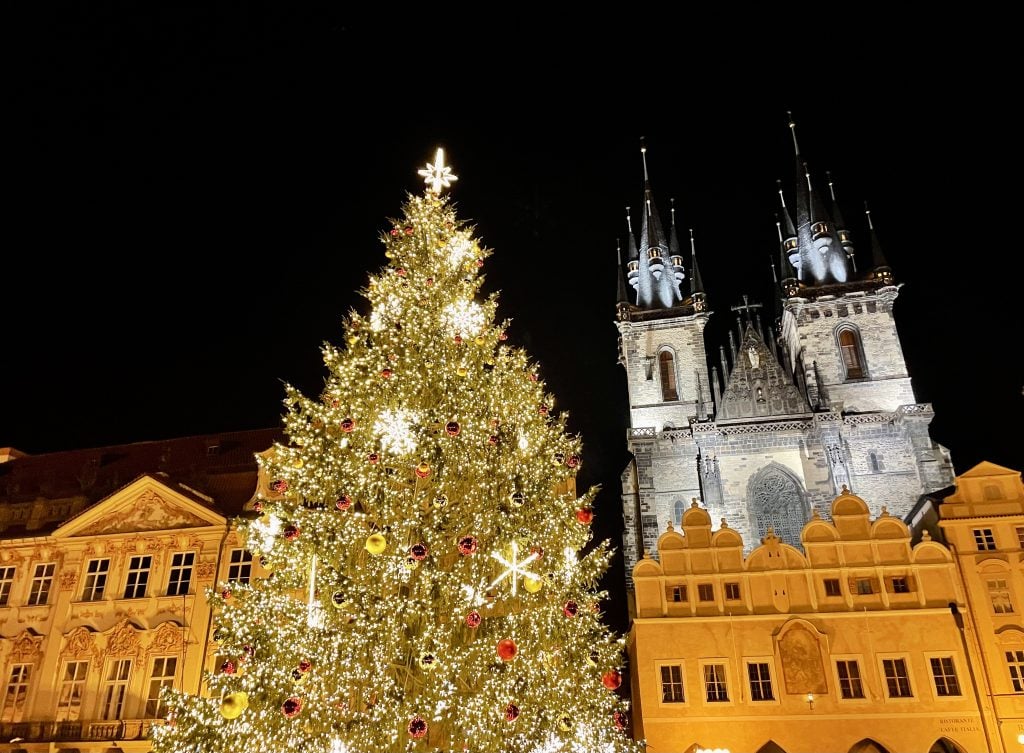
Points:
[[1020, 536], [832, 587], [900, 586], [732, 591], [999, 595], [706, 592]]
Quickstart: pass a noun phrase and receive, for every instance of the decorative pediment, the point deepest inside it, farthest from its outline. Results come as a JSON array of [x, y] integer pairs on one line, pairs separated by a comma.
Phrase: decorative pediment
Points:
[[167, 638], [25, 646], [145, 505], [123, 640]]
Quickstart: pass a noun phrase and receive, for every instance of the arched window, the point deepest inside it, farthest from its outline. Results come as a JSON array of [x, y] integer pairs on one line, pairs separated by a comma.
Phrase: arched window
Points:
[[777, 502], [677, 512], [667, 366], [853, 355]]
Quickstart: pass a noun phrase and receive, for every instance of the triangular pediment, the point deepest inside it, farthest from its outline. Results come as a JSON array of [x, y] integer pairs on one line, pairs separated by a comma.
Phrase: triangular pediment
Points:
[[985, 469], [146, 504]]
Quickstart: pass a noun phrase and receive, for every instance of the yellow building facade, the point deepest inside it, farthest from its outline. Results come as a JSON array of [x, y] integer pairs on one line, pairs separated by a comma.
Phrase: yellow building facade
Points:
[[857, 643], [103, 600]]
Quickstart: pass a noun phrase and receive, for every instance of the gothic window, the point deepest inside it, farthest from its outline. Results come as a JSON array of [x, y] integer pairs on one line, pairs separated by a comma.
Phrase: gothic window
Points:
[[777, 503], [667, 368], [677, 512], [852, 353]]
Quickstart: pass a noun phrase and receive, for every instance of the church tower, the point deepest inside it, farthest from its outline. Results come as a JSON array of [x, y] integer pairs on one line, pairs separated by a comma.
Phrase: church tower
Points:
[[794, 410]]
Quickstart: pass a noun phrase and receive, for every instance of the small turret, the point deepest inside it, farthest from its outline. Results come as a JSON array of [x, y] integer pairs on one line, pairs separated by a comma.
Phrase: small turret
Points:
[[880, 267], [633, 268], [678, 271], [841, 230]]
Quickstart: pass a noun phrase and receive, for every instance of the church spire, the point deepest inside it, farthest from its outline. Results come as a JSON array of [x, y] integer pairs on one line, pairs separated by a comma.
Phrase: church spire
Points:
[[841, 229], [633, 265], [655, 289], [678, 270], [881, 270], [620, 296], [696, 283]]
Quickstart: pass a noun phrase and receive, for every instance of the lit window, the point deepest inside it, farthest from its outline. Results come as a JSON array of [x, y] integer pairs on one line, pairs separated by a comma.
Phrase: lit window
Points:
[[6, 581], [732, 591], [1000, 596], [714, 683], [666, 364], [181, 573], [678, 593], [849, 346], [115, 689], [42, 580], [832, 587], [849, 679], [706, 592], [240, 569], [760, 682], [72, 688], [900, 586], [162, 676], [944, 674], [17, 691], [138, 576], [95, 579], [672, 684], [984, 539], [1015, 661], [897, 681]]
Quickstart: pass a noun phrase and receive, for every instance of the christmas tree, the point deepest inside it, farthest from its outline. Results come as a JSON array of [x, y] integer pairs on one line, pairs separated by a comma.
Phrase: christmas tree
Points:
[[430, 586]]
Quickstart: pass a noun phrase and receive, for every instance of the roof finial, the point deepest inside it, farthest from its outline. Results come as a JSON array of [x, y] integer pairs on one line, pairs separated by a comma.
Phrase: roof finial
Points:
[[673, 210], [782, 198], [778, 227], [831, 188], [867, 212], [792, 128], [643, 155], [807, 174], [771, 262], [629, 221]]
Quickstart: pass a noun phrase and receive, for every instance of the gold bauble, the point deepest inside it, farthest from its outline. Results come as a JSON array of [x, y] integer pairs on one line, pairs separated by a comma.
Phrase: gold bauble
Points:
[[233, 704], [533, 585], [376, 543]]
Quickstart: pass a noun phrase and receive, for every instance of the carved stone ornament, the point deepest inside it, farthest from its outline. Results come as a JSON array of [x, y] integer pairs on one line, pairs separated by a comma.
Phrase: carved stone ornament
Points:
[[147, 512], [79, 643], [123, 640], [205, 571], [68, 579], [166, 639], [25, 647]]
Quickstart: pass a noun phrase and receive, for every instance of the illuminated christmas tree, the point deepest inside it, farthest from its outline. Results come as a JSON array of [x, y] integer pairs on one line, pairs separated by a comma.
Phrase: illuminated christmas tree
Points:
[[431, 587]]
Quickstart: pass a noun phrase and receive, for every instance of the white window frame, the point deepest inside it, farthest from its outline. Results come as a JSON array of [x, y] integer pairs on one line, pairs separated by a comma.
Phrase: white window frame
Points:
[[16, 690], [862, 667], [957, 673], [237, 563], [683, 684], [41, 585], [156, 683], [999, 586], [134, 573], [96, 581], [72, 689], [7, 574], [772, 678], [984, 539], [914, 696], [115, 686], [182, 567], [727, 679], [1016, 659]]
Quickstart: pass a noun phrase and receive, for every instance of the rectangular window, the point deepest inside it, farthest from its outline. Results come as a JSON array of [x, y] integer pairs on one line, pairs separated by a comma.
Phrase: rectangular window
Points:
[[832, 587], [672, 684], [181, 573], [72, 688], [984, 539], [138, 576], [944, 674], [760, 682], [706, 592], [678, 593], [667, 367], [115, 689], [240, 569], [42, 580], [1015, 661], [16, 693], [1000, 596], [1020, 536], [6, 581], [162, 676], [897, 681], [849, 679], [900, 586], [95, 579], [864, 586], [732, 591], [714, 683]]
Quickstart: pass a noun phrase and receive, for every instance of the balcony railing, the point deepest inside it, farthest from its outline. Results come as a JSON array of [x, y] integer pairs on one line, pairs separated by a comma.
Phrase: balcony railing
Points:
[[83, 730]]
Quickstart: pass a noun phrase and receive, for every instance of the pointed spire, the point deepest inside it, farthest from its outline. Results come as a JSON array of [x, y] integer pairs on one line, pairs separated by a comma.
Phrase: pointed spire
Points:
[[696, 283], [792, 129], [656, 286], [878, 262], [673, 238], [632, 240], [620, 294], [841, 229]]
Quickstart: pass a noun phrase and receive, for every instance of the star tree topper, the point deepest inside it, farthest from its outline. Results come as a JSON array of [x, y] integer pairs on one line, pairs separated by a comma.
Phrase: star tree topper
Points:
[[438, 175]]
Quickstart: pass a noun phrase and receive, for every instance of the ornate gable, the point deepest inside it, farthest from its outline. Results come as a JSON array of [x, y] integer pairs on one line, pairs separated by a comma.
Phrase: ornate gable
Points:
[[758, 387]]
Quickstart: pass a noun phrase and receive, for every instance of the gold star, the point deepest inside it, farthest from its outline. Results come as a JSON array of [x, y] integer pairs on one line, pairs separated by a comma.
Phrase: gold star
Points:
[[438, 175]]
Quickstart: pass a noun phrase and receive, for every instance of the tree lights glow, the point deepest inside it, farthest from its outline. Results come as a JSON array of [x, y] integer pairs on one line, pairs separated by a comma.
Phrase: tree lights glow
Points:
[[429, 477]]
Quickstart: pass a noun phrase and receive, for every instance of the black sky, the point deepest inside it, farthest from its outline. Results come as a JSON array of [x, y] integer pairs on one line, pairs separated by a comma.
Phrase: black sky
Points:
[[196, 195]]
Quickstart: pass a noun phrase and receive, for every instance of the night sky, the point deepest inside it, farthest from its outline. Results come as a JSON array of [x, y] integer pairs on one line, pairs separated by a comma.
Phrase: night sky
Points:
[[196, 196]]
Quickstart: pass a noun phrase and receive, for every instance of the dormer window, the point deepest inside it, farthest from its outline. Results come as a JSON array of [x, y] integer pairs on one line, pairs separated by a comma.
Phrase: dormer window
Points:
[[667, 367]]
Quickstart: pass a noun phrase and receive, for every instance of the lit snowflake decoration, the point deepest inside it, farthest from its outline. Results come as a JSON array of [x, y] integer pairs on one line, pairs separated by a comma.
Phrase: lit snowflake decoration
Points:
[[460, 250], [395, 429], [464, 317], [515, 567], [267, 530], [389, 308], [438, 175]]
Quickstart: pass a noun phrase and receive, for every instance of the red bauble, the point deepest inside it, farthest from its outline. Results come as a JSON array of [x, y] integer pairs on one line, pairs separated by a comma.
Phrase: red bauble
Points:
[[418, 551], [620, 720], [385, 373], [511, 712], [347, 425], [479, 262], [279, 486], [507, 649], [543, 410], [473, 619], [611, 679], [344, 502], [417, 727], [502, 337], [458, 339], [584, 516], [225, 594], [400, 272], [494, 439], [291, 707], [395, 232], [408, 229], [305, 665], [291, 532], [228, 667], [373, 457], [570, 609], [573, 461], [452, 428], [532, 376], [257, 505], [467, 545], [430, 281], [422, 470]]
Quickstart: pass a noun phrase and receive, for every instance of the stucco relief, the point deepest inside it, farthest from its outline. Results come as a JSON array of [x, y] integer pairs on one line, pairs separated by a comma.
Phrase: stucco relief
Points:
[[166, 639], [25, 646], [205, 571], [68, 579], [80, 643], [123, 640], [147, 512], [802, 667]]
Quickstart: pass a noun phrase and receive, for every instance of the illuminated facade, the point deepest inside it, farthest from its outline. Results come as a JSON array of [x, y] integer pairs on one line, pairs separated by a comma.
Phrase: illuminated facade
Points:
[[105, 559], [855, 644], [790, 413]]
